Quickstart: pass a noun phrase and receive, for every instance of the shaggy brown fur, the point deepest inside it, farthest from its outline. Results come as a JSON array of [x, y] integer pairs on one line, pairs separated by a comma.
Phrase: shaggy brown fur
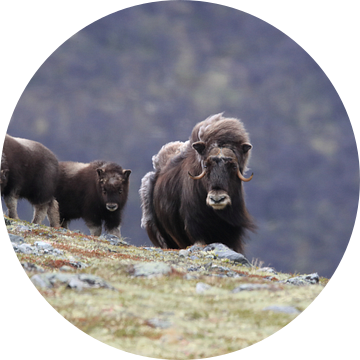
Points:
[[4, 173], [96, 192], [29, 170], [181, 208]]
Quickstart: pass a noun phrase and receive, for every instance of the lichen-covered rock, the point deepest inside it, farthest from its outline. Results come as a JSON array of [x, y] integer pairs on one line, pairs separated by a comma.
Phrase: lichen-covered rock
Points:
[[303, 280], [224, 252], [150, 269], [72, 281]]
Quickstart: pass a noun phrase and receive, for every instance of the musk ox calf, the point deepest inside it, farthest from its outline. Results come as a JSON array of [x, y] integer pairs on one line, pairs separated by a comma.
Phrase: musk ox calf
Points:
[[29, 170], [96, 192], [195, 194]]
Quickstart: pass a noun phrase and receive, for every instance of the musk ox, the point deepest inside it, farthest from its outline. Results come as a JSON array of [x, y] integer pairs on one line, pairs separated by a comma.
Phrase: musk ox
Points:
[[96, 192], [195, 194], [4, 173], [29, 170]]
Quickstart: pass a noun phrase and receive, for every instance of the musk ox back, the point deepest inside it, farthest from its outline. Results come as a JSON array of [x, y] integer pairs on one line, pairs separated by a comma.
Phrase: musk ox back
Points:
[[29, 170], [96, 192], [195, 194]]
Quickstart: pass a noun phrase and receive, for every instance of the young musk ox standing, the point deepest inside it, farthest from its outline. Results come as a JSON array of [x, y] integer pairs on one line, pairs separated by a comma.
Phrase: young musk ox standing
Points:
[[29, 170], [195, 194], [96, 192]]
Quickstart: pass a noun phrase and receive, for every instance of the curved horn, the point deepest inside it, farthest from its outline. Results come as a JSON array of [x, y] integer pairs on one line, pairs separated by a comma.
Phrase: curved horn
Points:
[[198, 176], [242, 178]]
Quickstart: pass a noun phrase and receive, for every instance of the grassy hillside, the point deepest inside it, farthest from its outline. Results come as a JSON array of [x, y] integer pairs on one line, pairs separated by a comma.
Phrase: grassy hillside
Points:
[[159, 303]]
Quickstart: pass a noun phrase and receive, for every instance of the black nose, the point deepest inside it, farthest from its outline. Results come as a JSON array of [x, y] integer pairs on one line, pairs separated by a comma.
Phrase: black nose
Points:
[[217, 199], [111, 207]]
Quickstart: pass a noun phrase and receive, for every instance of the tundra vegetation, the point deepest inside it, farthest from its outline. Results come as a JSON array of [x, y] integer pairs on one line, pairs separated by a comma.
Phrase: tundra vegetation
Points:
[[173, 304]]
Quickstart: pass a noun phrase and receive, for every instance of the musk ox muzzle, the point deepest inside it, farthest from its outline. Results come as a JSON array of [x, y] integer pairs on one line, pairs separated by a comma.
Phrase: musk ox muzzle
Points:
[[218, 199], [112, 206]]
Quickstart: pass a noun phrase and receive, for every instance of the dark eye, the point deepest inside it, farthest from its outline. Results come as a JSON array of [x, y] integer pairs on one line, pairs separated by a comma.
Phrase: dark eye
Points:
[[104, 192], [120, 191]]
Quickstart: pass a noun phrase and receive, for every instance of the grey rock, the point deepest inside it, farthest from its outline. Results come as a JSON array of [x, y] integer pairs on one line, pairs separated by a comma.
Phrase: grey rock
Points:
[[190, 276], [224, 252], [66, 268], [250, 287], [193, 268], [32, 267], [78, 264], [184, 253], [39, 248], [159, 323], [86, 281], [154, 249], [72, 281], [195, 248], [282, 309], [267, 269], [41, 281], [202, 287], [150, 269], [42, 245], [23, 248], [16, 239], [113, 240], [22, 228], [303, 280]]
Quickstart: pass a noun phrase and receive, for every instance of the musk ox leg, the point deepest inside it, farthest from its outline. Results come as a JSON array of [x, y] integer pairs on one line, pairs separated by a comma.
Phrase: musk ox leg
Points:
[[64, 223], [40, 212], [145, 192], [148, 215], [114, 231], [11, 204], [53, 213], [95, 230]]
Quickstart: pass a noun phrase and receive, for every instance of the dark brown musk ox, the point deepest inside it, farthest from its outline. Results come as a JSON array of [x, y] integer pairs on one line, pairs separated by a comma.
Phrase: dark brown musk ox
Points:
[[96, 192], [29, 171], [195, 195]]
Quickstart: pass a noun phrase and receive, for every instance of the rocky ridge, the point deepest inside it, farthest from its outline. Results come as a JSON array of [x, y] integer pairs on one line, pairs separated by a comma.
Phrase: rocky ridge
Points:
[[146, 300]]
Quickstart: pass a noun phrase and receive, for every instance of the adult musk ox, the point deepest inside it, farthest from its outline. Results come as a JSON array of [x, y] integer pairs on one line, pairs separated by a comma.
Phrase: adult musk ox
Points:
[[29, 170], [195, 194], [96, 192]]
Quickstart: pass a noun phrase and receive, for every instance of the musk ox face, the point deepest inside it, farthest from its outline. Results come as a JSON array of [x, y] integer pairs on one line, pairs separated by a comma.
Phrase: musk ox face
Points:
[[221, 173], [113, 186]]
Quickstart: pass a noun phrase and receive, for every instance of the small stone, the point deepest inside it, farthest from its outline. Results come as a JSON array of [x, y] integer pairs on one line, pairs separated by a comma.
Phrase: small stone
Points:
[[250, 287], [282, 309], [42, 245], [150, 269], [159, 323], [32, 267], [184, 253], [16, 239], [202, 287], [267, 269], [303, 280], [224, 252], [66, 268], [24, 248]]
